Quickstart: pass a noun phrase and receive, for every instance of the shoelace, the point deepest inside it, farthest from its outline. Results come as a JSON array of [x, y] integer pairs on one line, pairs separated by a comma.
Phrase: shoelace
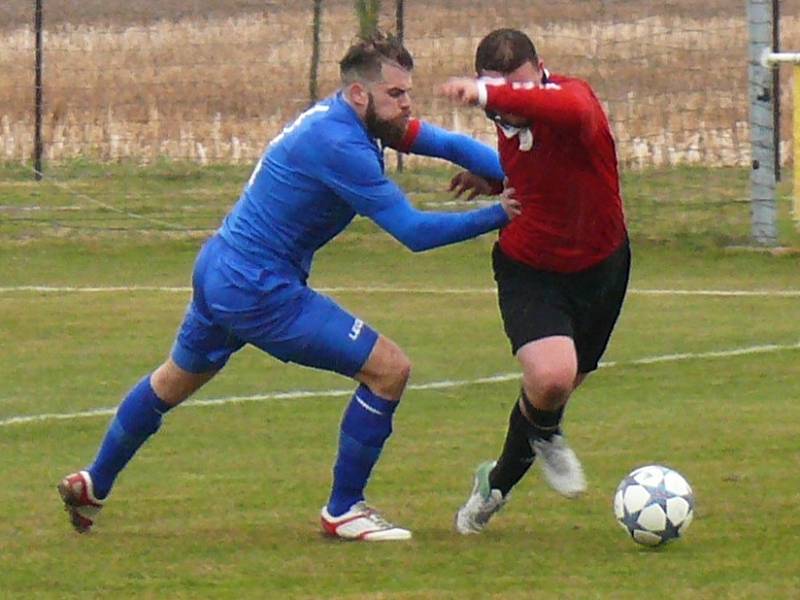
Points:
[[490, 506], [555, 455], [374, 516]]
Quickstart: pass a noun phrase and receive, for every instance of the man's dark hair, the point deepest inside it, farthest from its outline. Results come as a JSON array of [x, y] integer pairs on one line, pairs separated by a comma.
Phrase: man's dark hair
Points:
[[504, 50], [364, 59]]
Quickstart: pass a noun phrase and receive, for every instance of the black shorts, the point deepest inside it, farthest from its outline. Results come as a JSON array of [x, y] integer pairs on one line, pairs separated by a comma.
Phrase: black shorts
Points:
[[584, 305]]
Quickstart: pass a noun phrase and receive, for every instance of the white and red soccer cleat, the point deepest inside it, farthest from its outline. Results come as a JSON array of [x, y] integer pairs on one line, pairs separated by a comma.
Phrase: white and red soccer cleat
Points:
[[362, 522], [79, 501]]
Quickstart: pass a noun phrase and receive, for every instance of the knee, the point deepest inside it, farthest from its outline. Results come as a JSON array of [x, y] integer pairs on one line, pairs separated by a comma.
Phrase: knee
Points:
[[167, 384], [393, 378], [549, 384], [173, 385], [403, 369], [397, 374], [387, 370]]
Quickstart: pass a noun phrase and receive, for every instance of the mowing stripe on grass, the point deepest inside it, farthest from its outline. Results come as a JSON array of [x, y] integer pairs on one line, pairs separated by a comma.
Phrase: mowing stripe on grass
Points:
[[386, 290], [433, 385]]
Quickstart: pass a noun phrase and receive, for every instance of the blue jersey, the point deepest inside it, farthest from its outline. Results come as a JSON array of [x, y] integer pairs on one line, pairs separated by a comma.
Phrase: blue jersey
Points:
[[249, 281], [325, 168]]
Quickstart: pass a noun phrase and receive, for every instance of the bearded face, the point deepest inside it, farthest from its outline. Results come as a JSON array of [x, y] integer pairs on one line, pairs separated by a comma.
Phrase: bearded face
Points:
[[389, 131]]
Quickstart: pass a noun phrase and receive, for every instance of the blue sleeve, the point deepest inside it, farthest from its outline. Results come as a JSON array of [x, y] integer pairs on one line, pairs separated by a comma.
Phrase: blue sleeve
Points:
[[422, 230], [458, 148], [352, 171]]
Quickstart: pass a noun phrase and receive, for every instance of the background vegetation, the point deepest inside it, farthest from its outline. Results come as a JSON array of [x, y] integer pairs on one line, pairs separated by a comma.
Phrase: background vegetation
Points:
[[212, 81]]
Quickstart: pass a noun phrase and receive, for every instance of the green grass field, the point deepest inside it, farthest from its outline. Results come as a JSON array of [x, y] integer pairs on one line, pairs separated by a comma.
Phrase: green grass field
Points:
[[224, 501]]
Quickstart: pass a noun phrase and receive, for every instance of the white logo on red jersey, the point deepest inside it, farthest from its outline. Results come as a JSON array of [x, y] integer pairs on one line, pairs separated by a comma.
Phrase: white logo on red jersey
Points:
[[529, 85], [525, 136]]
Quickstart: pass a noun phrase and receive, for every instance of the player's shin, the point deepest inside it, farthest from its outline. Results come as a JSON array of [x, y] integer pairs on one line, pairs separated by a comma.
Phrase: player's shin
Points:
[[544, 424], [517, 455], [137, 418], [366, 425]]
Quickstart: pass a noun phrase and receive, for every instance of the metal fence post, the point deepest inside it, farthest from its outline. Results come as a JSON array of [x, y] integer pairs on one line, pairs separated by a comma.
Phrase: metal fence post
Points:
[[37, 133], [762, 175], [313, 75], [400, 26]]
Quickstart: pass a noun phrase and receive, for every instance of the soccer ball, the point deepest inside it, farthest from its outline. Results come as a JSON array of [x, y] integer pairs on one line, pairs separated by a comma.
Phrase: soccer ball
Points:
[[654, 504]]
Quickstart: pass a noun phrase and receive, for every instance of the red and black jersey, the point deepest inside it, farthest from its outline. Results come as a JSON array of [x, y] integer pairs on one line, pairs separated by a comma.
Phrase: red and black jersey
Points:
[[564, 171]]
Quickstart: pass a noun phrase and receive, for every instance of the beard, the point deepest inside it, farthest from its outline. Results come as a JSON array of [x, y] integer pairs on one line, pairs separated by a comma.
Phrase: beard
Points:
[[389, 131]]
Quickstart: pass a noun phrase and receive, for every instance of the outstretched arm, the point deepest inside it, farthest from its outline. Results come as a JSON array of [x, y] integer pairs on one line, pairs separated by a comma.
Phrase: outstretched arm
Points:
[[429, 140], [354, 175], [422, 230], [568, 108]]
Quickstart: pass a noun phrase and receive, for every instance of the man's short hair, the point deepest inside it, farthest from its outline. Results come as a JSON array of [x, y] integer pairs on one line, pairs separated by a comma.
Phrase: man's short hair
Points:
[[504, 50], [365, 58]]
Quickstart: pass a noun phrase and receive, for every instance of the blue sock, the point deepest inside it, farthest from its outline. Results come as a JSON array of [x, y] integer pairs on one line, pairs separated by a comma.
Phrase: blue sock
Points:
[[366, 425], [138, 417]]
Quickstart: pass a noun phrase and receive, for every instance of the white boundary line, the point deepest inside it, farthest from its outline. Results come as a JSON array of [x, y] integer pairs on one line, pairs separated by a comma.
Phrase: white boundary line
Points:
[[50, 289], [14, 208], [433, 385]]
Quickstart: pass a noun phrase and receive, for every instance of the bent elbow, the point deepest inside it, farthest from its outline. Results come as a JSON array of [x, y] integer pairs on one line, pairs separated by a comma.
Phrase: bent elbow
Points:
[[416, 245], [412, 239]]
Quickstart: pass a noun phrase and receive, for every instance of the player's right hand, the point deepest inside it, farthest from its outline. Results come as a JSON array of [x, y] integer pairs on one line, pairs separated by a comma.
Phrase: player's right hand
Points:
[[463, 90], [475, 185]]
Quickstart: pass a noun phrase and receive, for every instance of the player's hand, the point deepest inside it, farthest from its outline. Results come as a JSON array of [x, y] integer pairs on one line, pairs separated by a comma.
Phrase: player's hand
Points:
[[511, 205], [475, 185], [461, 89]]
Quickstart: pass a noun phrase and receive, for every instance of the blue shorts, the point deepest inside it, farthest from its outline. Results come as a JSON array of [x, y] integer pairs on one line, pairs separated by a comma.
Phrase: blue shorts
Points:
[[236, 302]]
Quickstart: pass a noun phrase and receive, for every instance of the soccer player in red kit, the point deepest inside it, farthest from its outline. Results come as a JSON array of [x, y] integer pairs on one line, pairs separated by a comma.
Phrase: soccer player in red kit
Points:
[[561, 267]]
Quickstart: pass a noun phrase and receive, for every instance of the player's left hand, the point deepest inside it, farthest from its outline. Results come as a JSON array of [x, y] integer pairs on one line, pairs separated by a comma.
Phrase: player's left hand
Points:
[[510, 204], [461, 89]]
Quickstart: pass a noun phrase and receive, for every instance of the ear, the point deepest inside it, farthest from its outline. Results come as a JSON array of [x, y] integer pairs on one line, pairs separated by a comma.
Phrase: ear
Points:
[[358, 94]]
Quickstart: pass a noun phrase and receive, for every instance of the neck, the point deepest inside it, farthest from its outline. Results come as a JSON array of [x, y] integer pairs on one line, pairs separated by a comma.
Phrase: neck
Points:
[[359, 109]]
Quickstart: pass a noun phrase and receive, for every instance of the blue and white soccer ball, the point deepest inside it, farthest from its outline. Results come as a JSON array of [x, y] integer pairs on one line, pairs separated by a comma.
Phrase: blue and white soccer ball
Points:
[[654, 504]]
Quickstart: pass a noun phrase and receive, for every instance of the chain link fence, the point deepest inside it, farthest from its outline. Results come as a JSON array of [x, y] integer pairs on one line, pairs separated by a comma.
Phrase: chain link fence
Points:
[[212, 81], [139, 95]]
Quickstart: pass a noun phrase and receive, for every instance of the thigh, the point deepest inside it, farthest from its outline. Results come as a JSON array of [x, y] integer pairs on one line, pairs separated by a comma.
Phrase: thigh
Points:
[[603, 297], [317, 333], [280, 315], [532, 303], [201, 344]]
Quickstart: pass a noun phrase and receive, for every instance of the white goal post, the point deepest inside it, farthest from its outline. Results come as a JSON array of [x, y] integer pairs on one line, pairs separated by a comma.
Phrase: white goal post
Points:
[[774, 60]]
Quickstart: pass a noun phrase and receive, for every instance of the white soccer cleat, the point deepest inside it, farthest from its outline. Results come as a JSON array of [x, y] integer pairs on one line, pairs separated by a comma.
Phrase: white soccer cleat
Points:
[[362, 522], [77, 492], [560, 465], [482, 503]]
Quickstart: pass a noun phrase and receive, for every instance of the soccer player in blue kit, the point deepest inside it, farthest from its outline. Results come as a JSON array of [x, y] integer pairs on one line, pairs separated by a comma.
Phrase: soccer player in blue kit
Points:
[[249, 280]]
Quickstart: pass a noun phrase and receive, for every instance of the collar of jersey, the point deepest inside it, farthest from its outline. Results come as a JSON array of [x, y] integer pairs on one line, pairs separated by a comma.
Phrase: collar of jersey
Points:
[[353, 115], [508, 130]]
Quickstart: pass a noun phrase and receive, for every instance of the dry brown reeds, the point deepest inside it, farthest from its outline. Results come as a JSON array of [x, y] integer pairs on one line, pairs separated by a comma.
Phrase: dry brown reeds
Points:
[[217, 89]]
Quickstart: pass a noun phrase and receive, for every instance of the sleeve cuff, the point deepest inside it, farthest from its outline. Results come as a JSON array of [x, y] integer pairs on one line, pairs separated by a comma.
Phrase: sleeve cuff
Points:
[[483, 95], [412, 132]]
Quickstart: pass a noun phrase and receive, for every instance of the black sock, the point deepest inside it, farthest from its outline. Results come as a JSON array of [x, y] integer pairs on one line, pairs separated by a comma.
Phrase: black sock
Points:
[[517, 456], [544, 424]]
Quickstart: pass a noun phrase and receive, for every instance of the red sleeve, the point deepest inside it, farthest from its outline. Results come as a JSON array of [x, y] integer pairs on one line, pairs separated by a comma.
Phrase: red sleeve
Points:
[[412, 131], [564, 105]]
